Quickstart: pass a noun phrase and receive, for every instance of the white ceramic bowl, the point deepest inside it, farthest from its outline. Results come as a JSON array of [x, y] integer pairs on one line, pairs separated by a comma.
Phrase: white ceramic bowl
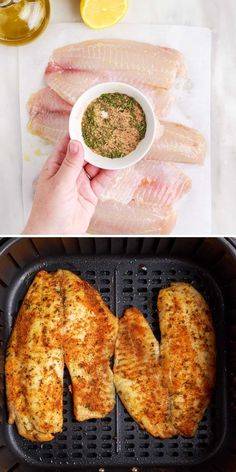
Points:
[[75, 128]]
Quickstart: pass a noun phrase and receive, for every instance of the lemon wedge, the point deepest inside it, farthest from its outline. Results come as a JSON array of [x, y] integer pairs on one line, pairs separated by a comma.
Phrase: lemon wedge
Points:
[[100, 14]]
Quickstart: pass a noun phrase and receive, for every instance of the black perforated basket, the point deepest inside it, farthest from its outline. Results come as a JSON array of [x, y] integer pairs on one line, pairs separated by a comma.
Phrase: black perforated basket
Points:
[[127, 272]]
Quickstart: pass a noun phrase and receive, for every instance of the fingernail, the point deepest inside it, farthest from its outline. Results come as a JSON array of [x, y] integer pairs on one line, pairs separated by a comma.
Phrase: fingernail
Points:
[[73, 147]]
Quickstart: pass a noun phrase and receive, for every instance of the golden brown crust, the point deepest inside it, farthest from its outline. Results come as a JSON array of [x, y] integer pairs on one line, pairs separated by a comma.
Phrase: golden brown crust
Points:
[[34, 363], [90, 331], [188, 354], [138, 376]]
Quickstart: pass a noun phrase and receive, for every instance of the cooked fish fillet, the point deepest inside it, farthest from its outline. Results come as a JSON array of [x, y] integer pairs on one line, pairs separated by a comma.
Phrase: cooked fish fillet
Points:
[[70, 84], [154, 65], [90, 331], [113, 217], [138, 376], [188, 354], [179, 144], [34, 362]]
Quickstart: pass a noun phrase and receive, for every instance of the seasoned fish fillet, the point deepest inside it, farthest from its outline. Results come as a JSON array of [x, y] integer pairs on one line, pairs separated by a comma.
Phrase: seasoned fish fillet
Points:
[[154, 65], [138, 376], [188, 354], [70, 84], [113, 217], [34, 362], [179, 144], [90, 331]]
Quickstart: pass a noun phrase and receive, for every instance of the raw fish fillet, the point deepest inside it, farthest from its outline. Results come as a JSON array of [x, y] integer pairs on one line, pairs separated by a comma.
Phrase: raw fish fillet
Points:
[[70, 84], [123, 185], [153, 65], [179, 144], [149, 182], [49, 126], [48, 115], [163, 184], [47, 100], [112, 217], [138, 375]]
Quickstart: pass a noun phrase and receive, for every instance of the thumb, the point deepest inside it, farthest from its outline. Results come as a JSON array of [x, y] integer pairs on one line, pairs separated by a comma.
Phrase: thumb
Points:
[[73, 163]]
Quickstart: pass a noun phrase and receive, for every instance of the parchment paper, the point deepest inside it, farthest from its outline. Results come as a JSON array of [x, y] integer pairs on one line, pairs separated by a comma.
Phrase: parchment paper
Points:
[[192, 107]]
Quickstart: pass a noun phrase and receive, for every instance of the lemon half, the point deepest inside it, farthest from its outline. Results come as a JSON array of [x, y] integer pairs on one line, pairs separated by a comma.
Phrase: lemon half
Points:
[[100, 14]]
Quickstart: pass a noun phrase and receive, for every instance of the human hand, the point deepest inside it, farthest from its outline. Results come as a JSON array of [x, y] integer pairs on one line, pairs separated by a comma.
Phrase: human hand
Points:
[[66, 197]]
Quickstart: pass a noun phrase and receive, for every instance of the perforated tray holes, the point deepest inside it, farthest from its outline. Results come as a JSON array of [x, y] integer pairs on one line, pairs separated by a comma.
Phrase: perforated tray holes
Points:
[[47, 446], [128, 273], [106, 428], [61, 446], [77, 455], [62, 455], [173, 445], [129, 427], [158, 453], [61, 437], [91, 281], [158, 444], [47, 455], [89, 273], [77, 437], [129, 437], [91, 428], [129, 454], [144, 445], [33, 447], [128, 290], [128, 282]]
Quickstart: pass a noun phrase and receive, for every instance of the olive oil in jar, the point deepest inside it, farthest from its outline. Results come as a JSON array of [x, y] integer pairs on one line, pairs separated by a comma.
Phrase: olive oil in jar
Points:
[[22, 20]]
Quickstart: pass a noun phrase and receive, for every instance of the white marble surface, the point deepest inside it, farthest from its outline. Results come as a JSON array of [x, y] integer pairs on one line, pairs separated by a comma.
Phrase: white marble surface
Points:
[[220, 17]]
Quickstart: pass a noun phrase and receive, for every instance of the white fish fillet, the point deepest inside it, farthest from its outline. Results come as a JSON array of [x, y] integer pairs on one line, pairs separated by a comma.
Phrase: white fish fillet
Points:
[[89, 335], [70, 84], [148, 182], [179, 144], [151, 64], [47, 100], [163, 184], [48, 115], [138, 375], [112, 217], [49, 126], [123, 186]]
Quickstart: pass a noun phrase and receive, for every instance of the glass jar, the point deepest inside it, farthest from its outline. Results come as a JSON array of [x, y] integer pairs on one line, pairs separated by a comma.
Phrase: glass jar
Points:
[[22, 20]]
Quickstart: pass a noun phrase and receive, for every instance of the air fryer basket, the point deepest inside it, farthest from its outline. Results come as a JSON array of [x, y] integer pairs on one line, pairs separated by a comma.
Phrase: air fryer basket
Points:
[[128, 272]]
